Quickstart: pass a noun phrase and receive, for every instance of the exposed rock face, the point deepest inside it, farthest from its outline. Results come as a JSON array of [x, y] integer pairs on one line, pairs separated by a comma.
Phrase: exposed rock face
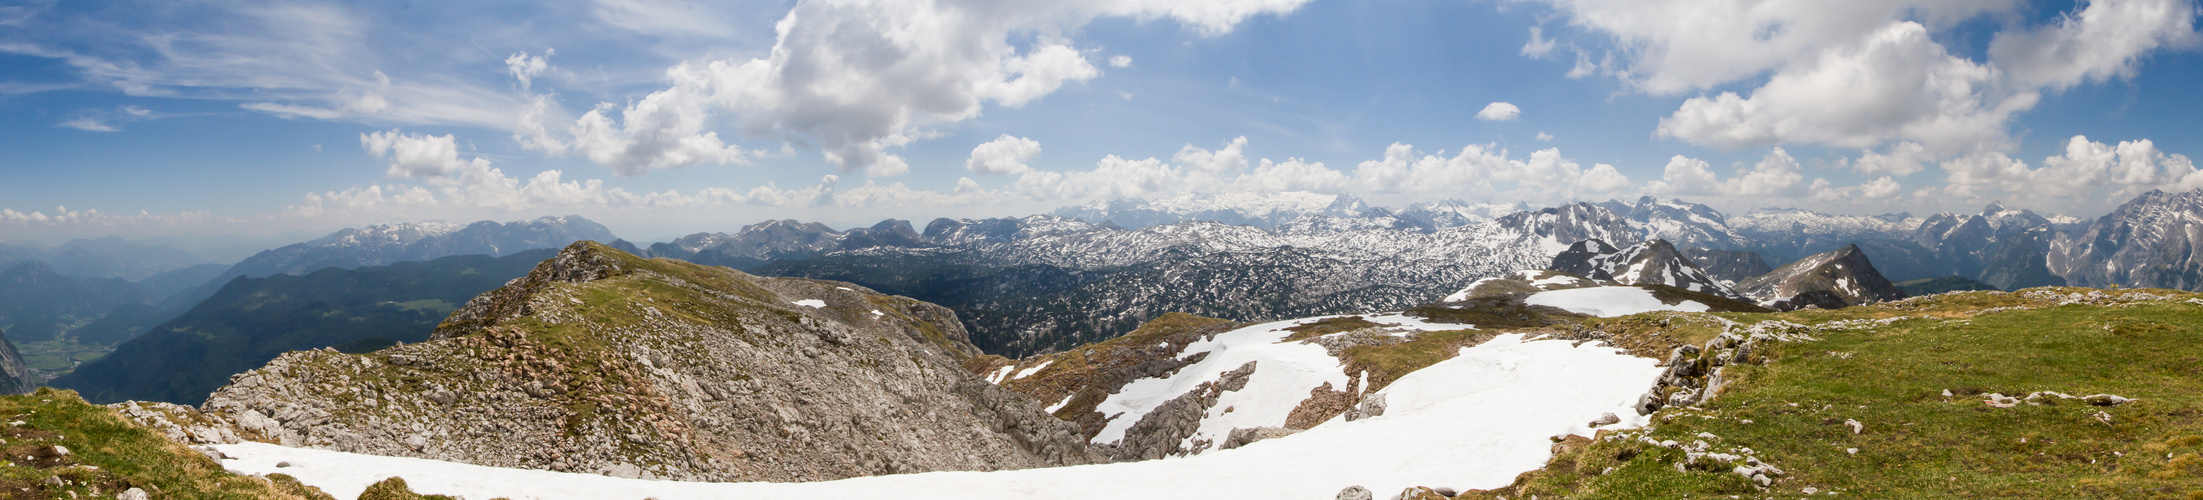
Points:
[[1164, 432], [2154, 240], [1845, 274], [1654, 262], [15, 375], [599, 361], [1728, 265]]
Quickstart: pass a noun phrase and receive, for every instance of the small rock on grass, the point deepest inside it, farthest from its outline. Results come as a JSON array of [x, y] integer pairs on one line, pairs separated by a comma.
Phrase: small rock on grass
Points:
[[133, 494]]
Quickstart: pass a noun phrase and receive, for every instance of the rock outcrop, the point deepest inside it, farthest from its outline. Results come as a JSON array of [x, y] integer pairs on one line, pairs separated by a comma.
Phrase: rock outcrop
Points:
[[15, 374], [1843, 276], [599, 361]]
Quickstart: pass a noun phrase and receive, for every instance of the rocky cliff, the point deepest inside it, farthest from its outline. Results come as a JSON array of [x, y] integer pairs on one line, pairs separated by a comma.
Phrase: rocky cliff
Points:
[[600, 361], [15, 375]]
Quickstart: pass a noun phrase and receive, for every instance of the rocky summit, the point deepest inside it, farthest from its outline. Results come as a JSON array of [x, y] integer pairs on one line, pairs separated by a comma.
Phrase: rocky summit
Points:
[[1652, 262], [600, 361], [1828, 280]]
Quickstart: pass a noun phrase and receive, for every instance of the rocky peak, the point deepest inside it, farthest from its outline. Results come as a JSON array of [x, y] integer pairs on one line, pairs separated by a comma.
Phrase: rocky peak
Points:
[[1654, 262], [1843, 274], [602, 362], [581, 262]]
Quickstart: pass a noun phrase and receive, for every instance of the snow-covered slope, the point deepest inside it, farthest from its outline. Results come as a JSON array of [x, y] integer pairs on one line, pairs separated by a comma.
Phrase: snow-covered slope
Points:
[[1609, 301], [1473, 421]]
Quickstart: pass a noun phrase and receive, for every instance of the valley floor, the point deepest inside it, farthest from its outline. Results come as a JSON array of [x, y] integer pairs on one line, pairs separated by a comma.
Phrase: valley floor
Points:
[[1474, 421]]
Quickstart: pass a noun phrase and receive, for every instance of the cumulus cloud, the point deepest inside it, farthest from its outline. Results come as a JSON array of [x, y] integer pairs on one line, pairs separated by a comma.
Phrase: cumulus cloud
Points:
[[1777, 174], [1899, 84], [1860, 74], [1538, 46], [1499, 112], [858, 77], [1542, 136], [2097, 43], [1003, 155], [1120, 61], [524, 68], [2086, 175], [419, 156], [1900, 159]]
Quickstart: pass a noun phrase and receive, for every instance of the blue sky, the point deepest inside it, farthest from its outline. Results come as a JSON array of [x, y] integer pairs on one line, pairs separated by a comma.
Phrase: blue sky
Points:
[[665, 117]]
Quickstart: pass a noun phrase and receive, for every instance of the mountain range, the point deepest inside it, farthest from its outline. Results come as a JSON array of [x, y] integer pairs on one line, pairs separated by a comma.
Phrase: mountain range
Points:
[[1072, 280]]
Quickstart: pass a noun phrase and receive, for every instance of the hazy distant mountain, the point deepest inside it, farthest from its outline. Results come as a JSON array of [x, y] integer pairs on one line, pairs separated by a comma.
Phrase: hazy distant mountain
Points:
[[38, 303], [382, 244], [251, 320], [1652, 262]]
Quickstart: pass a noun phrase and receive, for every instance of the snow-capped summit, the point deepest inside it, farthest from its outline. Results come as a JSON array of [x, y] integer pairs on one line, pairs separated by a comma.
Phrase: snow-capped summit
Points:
[[1654, 262], [1680, 222], [1264, 210]]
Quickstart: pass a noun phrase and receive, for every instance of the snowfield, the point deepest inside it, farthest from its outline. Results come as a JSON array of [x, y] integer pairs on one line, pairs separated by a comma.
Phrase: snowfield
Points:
[[1471, 422], [1609, 301]]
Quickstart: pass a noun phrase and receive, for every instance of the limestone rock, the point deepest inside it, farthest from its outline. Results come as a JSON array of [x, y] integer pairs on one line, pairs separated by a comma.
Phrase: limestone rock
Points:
[[602, 362]]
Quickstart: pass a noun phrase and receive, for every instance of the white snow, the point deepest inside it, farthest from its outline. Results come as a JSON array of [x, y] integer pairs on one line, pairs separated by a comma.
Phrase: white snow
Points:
[[1060, 404], [1035, 369], [1284, 373], [1608, 301], [1475, 421], [998, 376], [811, 303]]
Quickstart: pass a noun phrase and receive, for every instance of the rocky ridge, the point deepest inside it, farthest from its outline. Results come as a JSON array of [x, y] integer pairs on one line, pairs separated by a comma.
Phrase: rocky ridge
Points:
[[1835, 279], [603, 362]]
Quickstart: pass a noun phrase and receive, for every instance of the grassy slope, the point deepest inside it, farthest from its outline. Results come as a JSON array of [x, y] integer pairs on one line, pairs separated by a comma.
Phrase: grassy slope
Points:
[[1916, 443], [125, 456]]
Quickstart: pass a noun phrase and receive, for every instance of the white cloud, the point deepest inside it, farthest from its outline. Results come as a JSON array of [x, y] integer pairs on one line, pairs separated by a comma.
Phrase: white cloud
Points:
[[2086, 176], [1120, 61], [1499, 112], [2097, 43], [1898, 85], [88, 124], [1542, 136], [1233, 157], [858, 77], [1539, 46], [525, 68], [1860, 74], [419, 156], [1003, 155], [1880, 188], [1902, 159], [1776, 174]]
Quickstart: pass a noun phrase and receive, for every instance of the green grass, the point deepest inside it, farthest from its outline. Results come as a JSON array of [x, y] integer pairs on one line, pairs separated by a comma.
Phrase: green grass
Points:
[[54, 358], [1916, 443], [107, 455]]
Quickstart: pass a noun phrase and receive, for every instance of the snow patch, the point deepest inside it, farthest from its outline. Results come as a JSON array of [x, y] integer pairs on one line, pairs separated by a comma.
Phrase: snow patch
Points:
[[1471, 422], [811, 303], [1035, 369], [1609, 301]]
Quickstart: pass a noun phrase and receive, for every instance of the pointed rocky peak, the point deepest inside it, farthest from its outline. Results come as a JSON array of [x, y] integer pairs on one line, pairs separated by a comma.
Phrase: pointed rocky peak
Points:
[[1577, 259], [1654, 262], [1995, 207], [1844, 273]]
